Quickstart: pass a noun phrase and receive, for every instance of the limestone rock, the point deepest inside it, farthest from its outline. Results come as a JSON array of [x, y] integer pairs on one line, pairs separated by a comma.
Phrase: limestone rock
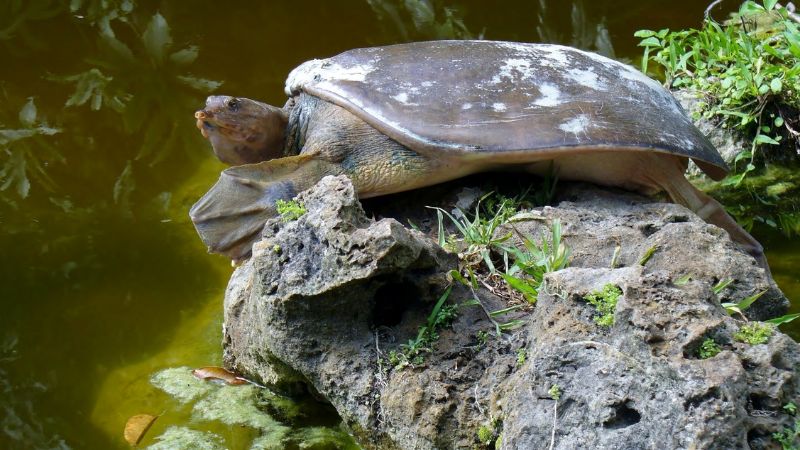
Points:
[[326, 297]]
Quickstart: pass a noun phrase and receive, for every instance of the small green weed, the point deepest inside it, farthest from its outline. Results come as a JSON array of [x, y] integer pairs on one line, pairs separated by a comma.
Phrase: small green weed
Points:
[[605, 302], [708, 349], [742, 305], [754, 333], [488, 434], [522, 355], [290, 210], [477, 234], [483, 337], [413, 352], [647, 255], [788, 437], [721, 285], [527, 271], [790, 408], [555, 392]]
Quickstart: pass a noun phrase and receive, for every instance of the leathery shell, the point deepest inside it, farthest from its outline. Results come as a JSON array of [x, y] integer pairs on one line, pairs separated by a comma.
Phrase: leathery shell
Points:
[[483, 97]]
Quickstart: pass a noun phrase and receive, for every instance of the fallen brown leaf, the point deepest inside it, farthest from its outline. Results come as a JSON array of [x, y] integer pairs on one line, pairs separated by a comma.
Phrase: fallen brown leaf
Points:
[[137, 426], [218, 373]]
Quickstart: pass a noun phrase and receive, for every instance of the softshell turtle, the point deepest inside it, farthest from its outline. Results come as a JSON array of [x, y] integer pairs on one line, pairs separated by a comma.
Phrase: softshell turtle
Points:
[[405, 116]]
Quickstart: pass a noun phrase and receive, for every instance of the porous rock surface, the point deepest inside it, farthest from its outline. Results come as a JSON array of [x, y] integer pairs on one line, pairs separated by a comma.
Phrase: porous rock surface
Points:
[[325, 298]]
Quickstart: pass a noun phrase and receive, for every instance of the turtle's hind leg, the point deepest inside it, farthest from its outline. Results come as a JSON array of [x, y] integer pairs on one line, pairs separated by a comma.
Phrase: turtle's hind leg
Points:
[[682, 192]]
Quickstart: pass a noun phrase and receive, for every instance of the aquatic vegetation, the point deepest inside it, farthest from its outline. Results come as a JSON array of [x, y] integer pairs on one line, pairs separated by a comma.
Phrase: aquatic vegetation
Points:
[[102, 13], [146, 80], [183, 437], [15, 16], [421, 19], [747, 69], [24, 153], [179, 383], [586, 31]]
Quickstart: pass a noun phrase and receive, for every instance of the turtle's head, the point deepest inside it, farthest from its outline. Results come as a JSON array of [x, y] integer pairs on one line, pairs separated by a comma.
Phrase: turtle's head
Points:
[[242, 131]]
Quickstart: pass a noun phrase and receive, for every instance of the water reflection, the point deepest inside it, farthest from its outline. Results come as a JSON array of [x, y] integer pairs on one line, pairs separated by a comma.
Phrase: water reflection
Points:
[[588, 29], [414, 20]]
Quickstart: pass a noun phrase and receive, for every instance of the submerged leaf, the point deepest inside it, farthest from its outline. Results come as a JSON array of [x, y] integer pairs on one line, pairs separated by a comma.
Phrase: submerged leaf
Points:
[[201, 84], [185, 56], [27, 115], [218, 373], [157, 37], [137, 427]]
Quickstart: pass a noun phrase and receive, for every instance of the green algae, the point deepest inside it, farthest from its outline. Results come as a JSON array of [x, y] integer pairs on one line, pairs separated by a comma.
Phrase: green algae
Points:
[[175, 438]]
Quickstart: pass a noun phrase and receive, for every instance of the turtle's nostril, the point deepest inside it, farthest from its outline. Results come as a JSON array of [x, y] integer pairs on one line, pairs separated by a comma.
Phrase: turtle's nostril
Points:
[[201, 115]]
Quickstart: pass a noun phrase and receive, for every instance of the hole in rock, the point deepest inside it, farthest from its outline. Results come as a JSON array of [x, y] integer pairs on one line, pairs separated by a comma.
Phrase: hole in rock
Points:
[[677, 219], [392, 300], [759, 438], [758, 402], [624, 416], [696, 400], [648, 229]]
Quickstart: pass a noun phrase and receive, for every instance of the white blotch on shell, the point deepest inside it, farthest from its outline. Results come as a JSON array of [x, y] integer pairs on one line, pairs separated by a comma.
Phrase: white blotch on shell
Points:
[[514, 69], [586, 78], [576, 125], [550, 95], [401, 97]]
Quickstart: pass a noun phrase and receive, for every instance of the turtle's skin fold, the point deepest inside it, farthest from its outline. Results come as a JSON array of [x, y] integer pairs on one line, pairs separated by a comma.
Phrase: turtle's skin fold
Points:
[[405, 116]]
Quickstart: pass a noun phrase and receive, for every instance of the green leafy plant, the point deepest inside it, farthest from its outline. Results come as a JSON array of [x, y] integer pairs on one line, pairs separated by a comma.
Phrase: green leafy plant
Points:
[[747, 69], [708, 349], [754, 333], [605, 302], [790, 408], [290, 210]]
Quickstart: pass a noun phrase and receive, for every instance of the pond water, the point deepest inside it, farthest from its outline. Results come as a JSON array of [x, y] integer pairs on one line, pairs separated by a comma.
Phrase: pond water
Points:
[[103, 282]]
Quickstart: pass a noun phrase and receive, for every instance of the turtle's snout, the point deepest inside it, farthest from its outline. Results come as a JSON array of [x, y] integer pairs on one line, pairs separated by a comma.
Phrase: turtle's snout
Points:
[[203, 125]]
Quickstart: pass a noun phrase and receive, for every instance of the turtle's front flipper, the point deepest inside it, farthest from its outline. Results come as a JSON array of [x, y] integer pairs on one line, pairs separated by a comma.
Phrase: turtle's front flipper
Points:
[[230, 216]]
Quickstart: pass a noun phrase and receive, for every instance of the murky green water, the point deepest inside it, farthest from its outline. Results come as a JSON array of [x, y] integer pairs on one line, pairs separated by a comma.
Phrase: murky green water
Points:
[[103, 282]]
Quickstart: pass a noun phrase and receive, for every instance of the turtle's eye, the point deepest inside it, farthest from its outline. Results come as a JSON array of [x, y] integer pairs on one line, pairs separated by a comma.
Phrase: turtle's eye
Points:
[[233, 104]]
